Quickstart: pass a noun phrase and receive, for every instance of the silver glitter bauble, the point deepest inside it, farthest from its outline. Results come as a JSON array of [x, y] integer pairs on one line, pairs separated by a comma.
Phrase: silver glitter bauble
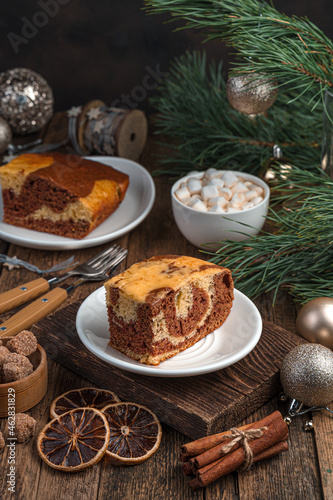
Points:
[[251, 94], [5, 135], [315, 321], [26, 100], [307, 374]]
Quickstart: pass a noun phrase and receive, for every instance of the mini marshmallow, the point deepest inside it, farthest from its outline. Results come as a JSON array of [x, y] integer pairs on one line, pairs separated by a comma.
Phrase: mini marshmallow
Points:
[[257, 200], [218, 182], [216, 209], [230, 179], [194, 185], [220, 200], [249, 195], [239, 188], [199, 205], [182, 193], [226, 193], [247, 205], [209, 191], [259, 190], [237, 199], [211, 172], [231, 210]]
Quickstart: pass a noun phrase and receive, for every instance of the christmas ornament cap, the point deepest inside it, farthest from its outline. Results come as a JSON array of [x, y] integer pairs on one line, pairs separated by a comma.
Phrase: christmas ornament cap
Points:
[[307, 374], [315, 321]]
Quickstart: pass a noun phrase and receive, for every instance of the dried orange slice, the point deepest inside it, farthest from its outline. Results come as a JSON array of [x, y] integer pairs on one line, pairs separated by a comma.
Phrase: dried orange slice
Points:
[[75, 440], [135, 433], [87, 397]]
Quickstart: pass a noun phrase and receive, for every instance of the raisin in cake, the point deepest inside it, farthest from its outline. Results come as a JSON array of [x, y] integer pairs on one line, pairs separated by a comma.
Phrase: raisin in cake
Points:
[[161, 306], [60, 194]]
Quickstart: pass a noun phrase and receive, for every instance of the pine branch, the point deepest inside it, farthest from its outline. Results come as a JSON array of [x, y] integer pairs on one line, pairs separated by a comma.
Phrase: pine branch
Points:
[[292, 49], [299, 254], [201, 129]]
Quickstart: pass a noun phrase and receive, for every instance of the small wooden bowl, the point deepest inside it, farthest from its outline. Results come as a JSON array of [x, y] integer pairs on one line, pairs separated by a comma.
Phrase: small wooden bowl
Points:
[[28, 391]]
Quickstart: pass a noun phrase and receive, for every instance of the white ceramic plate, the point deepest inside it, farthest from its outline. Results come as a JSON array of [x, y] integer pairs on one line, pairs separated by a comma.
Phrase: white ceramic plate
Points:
[[132, 211], [223, 347]]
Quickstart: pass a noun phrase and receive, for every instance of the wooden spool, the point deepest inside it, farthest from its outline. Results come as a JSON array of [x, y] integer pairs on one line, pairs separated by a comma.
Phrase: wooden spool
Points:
[[30, 390], [124, 132]]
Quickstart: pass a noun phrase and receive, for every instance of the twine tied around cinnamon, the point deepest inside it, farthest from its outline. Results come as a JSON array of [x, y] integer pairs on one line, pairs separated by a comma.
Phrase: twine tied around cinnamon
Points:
[[243, 437]]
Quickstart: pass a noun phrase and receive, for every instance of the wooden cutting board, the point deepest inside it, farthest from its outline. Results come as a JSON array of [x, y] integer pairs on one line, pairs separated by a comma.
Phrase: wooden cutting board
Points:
[[195, 406]]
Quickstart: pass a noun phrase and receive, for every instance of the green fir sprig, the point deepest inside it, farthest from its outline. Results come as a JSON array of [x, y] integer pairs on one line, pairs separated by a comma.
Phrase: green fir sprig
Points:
[[298, 254], [200, 129], [292, 49]]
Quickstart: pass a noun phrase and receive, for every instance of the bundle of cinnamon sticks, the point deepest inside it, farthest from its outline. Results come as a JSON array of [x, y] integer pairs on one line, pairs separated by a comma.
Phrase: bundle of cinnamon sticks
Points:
[[208, 458]]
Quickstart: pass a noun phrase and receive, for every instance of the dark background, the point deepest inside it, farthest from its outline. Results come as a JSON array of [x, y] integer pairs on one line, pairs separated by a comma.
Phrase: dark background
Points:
[[109, 49]]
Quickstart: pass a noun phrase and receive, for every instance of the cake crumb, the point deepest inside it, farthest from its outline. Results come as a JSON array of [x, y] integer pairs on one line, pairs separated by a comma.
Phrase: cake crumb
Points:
[[24, 343], [2, 442], [24, 427]]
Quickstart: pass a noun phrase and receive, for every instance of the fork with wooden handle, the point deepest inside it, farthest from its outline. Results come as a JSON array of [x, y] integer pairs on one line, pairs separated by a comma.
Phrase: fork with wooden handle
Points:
[[28, 291], [44, 305]]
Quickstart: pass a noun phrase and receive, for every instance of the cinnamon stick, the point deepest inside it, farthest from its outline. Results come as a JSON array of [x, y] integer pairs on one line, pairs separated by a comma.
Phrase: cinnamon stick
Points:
[[269, 453], [216, 453], [234, 460], [203, 444]]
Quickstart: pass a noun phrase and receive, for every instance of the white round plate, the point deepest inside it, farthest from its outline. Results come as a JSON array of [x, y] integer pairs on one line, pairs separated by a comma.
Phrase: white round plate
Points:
[[225, 346], [132, 211]]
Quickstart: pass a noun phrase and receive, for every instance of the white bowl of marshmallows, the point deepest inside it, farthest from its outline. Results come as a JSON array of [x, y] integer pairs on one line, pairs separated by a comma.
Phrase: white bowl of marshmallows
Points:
[[214, 205]]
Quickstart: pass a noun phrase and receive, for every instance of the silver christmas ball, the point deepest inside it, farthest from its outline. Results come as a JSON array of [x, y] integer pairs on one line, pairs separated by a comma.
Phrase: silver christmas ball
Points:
[[26, 100], [307, 374], [251, 94], [5, 135], [315, 321]]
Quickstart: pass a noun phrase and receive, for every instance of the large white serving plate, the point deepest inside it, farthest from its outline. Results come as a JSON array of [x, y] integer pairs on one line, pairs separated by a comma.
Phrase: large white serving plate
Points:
[[132, 211], [223, 347]]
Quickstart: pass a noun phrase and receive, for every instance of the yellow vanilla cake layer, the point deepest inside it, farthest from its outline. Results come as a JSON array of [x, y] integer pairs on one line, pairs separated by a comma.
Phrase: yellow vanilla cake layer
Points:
[[155, 274], [14, 174]]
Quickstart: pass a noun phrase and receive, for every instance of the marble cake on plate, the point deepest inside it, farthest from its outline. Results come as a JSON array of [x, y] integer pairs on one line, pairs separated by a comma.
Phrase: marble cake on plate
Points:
[[60, 194], [165, 304]]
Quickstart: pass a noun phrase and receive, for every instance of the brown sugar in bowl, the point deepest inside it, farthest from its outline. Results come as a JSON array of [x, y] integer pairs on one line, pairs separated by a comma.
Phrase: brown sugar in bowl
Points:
[[29, 390]]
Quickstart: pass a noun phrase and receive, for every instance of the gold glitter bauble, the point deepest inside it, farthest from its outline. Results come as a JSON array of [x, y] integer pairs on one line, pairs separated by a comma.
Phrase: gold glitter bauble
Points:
[[315, 321], [26, 100], [5, 135], [251, 94], [307, 374]]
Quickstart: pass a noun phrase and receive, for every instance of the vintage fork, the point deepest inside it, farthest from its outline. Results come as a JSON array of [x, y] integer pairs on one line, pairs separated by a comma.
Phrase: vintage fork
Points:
[[42, 306], [28, 291]]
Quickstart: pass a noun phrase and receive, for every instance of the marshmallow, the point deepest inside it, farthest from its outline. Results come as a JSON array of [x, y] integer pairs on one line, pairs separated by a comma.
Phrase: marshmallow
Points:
[[182, 193], [219, 200], [249, 195], [231, 210], [194, 185], [199, 205], [230, 179], [237, 199], [257, 200], [209, 191], [247, 205], [216, 209], [218, 182], [226, 193], [239, 188]]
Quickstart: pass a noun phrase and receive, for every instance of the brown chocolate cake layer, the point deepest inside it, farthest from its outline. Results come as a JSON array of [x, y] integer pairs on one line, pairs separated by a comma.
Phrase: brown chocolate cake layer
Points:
[[151, 323], [55, 194]]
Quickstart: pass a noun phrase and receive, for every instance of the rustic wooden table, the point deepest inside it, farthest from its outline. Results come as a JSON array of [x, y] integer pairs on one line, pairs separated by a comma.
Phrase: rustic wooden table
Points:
[[305, 472]]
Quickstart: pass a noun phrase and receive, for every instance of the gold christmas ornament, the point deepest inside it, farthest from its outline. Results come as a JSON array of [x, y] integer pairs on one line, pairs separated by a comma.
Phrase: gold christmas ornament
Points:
[[307, 375], [5, 135], [315, 321], [26, 100], [251, 94]]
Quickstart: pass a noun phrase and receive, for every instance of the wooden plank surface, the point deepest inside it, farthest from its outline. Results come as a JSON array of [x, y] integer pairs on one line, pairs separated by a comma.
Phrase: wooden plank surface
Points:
[[305, 472]]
